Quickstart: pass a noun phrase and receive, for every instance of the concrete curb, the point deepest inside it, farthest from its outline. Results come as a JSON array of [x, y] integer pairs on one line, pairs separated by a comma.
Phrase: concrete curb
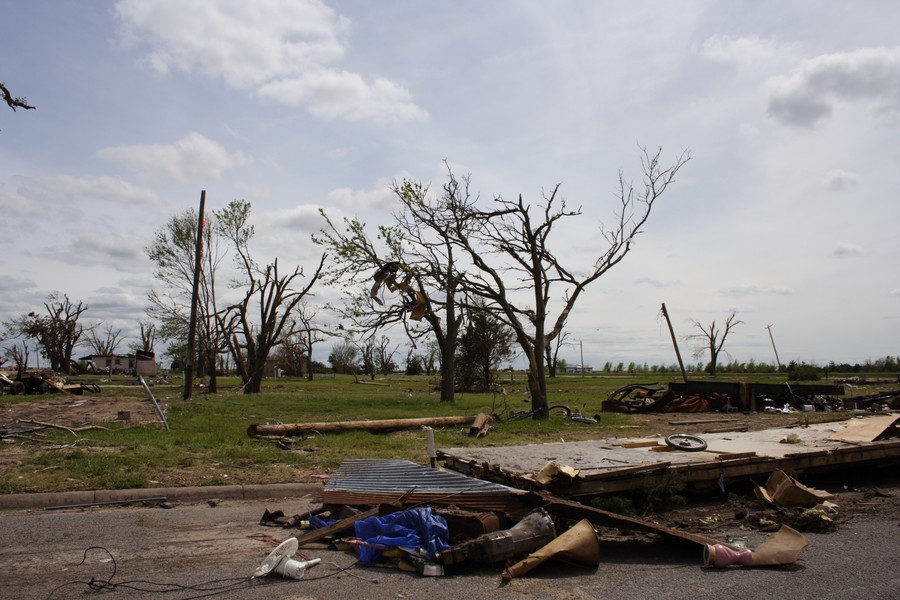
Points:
[[184, 494]]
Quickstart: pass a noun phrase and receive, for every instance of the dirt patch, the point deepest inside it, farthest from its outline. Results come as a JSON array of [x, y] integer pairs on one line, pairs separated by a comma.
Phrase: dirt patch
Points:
[[75, 411]]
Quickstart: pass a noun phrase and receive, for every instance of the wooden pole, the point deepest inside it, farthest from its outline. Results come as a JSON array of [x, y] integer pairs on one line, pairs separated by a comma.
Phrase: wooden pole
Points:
[[195, 292], [373, 426], [674, 342]]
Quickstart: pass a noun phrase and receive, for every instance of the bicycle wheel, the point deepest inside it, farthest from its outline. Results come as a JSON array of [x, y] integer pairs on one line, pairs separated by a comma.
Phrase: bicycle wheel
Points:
[[559, 410], [687, 443]]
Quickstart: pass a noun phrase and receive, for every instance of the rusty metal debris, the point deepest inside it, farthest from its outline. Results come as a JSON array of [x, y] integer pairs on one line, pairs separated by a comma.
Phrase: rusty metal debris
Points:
[[705, 396]]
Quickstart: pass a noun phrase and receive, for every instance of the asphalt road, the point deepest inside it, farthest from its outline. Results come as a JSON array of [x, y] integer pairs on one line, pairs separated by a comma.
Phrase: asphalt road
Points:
[[195, 550]]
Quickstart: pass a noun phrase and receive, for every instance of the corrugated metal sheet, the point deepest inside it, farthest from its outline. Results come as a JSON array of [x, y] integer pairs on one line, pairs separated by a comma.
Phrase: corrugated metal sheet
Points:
[[368, 482]]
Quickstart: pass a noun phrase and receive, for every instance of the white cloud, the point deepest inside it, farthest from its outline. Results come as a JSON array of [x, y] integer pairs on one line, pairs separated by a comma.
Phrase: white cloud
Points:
[[379, 197], [839, 179], [330, 94], [749, 51], [193, 157], [656, 282], [845, 250], [752, 289], [299, 220], [870, 76], [281, 48], [245, 43]]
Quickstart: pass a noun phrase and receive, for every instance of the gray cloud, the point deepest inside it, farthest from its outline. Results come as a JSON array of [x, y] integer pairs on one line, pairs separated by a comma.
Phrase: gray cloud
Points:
[[839, 179], [846, 249], [811, 93]]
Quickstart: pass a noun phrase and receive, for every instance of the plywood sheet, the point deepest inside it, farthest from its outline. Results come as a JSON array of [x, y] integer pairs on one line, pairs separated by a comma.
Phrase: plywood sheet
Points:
[[866, 429]]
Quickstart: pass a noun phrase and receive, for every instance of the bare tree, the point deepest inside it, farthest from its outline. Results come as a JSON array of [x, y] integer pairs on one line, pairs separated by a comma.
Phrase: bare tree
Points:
[[310, 334], [263, 317], [552, 351], [384, 356], [19, 355], [509, 248], [420, 251], [148, 336], [712, 339], [104, 344], [56, 333]]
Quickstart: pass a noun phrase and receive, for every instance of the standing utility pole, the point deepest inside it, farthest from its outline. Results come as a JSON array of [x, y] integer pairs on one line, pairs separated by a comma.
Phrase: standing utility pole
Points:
[[192, 327]]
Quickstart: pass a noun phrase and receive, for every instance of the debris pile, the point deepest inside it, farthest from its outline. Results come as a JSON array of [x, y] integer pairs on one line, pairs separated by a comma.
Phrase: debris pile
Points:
[[395, 513]]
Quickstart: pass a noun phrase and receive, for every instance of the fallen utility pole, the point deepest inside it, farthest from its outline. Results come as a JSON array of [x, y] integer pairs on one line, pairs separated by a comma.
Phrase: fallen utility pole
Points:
[[665, 313], [340, 426]]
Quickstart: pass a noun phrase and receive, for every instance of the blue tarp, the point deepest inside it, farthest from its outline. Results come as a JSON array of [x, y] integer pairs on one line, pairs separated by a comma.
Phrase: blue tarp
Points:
[[416, 528]]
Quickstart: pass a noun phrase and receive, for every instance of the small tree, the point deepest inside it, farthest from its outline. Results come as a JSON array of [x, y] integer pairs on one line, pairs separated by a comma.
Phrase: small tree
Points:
[[712, 339], [56, 333], [18, 354], [485, 344], [104, 344], [344, 357], [552, 351]]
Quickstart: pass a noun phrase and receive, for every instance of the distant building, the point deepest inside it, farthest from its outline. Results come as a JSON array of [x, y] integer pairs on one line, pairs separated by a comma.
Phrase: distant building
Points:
[[578, 369], [142, 363]]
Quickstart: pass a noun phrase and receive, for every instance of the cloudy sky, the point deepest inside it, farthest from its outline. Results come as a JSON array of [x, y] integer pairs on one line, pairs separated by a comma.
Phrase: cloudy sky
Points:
[[787, 213]]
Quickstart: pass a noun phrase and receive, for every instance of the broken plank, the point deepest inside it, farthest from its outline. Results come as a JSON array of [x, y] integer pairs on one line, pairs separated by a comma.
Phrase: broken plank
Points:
[[319, 534]]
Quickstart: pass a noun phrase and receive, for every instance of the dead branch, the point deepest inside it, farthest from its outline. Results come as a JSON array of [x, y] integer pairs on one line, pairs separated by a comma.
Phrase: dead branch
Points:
[[72, 430]]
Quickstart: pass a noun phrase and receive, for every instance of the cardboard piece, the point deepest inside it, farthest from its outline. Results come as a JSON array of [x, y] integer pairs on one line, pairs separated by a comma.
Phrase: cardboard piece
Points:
[[784, 490], [578, 545], [551, 470], [781, 548]]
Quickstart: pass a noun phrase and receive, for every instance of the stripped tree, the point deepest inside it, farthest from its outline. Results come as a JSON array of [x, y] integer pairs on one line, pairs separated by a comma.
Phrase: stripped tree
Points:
[[519, 275], [418, 247], [712, 339], [260, 320]]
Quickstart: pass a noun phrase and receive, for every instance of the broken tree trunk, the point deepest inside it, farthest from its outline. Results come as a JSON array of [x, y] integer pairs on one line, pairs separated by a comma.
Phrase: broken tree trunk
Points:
[[340, 426]]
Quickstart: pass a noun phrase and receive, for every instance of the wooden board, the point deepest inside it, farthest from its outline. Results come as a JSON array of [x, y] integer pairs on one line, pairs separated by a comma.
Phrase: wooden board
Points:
[[866, 429]]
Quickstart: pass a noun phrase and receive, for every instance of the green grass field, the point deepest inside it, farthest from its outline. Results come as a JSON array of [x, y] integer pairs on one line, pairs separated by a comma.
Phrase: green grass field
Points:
[[208, 442]]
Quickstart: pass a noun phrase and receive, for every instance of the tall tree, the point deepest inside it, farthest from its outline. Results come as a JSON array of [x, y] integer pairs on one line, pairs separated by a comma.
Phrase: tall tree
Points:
[[173, 252], [264, 316], [57, 332], [518, 274], [711, 338], [417, 242]]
